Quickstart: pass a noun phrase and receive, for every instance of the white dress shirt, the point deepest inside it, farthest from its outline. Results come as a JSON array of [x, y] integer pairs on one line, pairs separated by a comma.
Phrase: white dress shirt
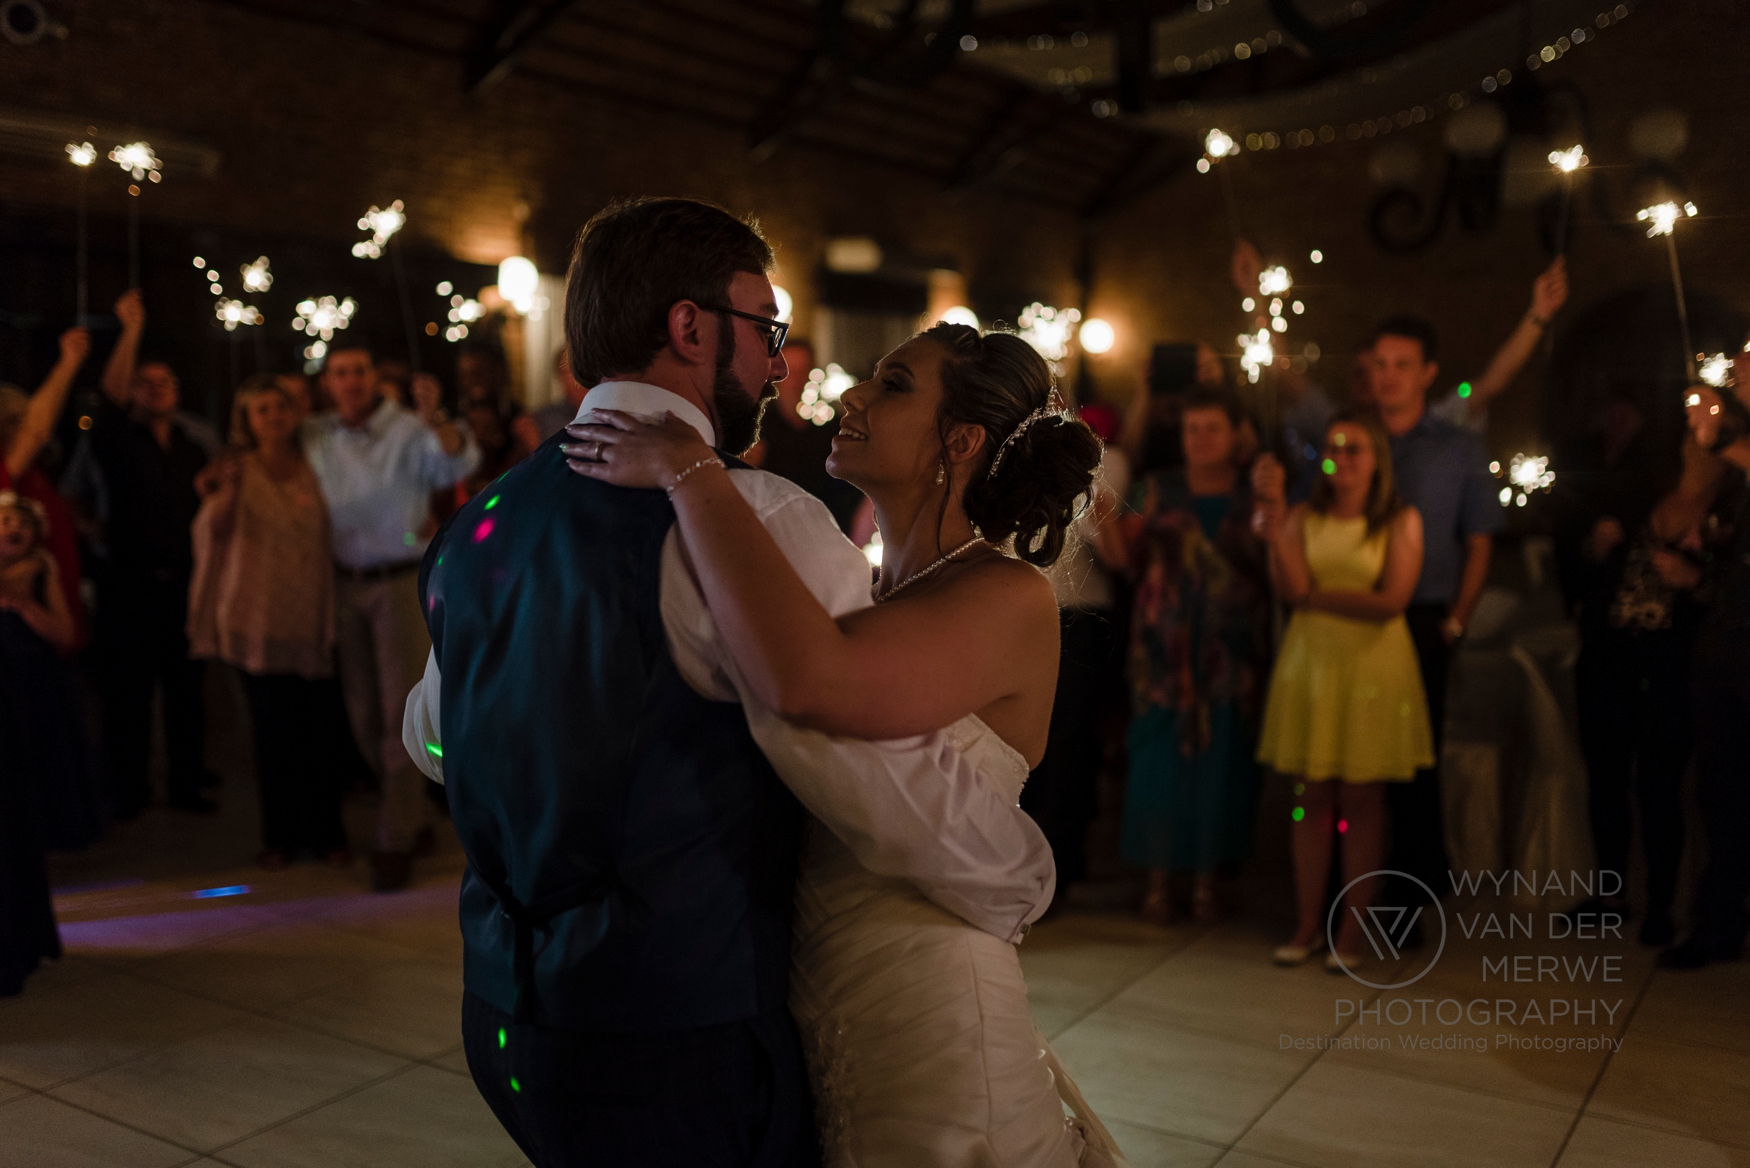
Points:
[[377, 480], [910, 808]]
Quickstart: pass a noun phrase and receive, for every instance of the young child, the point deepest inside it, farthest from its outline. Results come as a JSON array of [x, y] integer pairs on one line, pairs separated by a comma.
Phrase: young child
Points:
[[30, 584]]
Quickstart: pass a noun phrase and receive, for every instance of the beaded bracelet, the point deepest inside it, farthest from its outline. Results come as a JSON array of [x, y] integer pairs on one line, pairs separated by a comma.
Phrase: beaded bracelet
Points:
[[713, 460]]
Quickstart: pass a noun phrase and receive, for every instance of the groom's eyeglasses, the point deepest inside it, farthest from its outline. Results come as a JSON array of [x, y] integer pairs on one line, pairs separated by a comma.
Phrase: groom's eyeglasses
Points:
[[775, 330]]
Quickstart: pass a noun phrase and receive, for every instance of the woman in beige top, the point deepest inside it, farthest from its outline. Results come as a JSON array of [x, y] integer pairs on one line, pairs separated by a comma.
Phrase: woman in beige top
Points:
[[262, 599]]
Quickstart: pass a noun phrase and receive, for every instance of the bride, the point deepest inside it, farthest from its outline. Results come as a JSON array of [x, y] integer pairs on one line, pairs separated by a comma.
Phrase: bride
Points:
[[921, 1049]]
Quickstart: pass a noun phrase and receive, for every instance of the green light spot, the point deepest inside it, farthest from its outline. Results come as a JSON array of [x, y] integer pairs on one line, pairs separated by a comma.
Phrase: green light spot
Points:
[[1298, 814], [437, 751], [440, 562], [515, 1086], [1329, 466], [492, 502], [501, 1038], [409, 538], [1464, 389], [1300, 788]]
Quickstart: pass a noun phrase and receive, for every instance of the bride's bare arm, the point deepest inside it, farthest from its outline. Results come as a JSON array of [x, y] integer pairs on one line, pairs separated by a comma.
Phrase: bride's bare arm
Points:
[[885, 672]]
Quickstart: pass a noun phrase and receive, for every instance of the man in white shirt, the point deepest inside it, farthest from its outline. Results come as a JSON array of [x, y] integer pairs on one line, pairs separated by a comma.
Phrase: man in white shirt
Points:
[[630, 852]]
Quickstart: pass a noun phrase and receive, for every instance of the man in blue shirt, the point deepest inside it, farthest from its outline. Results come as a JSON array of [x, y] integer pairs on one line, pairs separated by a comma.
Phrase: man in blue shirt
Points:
[[377, 463], [1442, 471]]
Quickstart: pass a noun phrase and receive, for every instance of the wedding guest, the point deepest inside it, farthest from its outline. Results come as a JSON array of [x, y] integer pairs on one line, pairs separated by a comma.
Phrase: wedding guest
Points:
[[1467, 405], [32, 614], [1441, 470], [1720, 690], [1345, 716], [377, 464], [26, 425], [148, 458], [1199, 655], [1062, 793], [1151, 425], [262, 599], [297, 390], [394, 382], [553, 417]]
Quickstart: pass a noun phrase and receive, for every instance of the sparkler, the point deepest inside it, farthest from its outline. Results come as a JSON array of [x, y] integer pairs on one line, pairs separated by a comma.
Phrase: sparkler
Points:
[[1049, 331], [1524, 474], [256, 276], [232, 313], [319, 319], [1217, 145], [1256, 353], [1661, 219], [824, 388], [138, 160], [1566, 162], [1715, 370], [82, 155], [383, 223]]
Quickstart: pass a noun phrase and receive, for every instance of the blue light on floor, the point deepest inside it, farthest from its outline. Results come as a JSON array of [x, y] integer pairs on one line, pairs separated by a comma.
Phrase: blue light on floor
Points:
[[227, 890]]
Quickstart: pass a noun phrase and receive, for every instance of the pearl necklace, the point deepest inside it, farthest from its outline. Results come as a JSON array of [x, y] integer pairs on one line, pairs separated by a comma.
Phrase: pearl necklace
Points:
[[883, 597]]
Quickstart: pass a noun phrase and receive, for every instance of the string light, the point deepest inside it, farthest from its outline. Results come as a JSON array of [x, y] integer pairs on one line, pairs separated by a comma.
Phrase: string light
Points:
[[232, 313], [81, 153], [256, 276], [138, 160], [1661, 218], [1097, 336], [960, 314], [382, 223]]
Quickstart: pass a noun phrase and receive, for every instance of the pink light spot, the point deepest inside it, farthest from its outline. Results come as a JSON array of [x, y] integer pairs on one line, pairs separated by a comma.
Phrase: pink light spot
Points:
[[483, 530], [1342, 825], [431, 604]]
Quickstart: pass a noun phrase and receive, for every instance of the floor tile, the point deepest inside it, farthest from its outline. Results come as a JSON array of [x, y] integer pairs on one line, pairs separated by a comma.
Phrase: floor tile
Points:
[[413, 1008], [1241, 997], [1144, 1073], [421, 918], [274, 965], [1343, 1117], [1602, 1143], [1054, 1020], [10, 1090], [128, 939], [455, 1061], [222, 1086], [1147, 1148], [1676, 1087], [421, 1119], [1708, 1006], [40, 1132], [57, 975], [1082, 975], [51, 1037]]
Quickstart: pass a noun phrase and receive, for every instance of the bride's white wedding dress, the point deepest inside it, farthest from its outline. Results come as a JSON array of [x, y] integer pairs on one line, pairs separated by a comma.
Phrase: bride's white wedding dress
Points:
[[920, 1045]]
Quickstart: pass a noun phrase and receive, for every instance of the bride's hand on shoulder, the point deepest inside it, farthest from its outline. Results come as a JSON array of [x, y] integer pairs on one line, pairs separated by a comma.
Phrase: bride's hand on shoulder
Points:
[[626, 451]]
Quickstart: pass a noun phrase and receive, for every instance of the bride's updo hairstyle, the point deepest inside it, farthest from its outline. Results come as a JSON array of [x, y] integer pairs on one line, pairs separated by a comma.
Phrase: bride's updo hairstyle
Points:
[[997, 381]]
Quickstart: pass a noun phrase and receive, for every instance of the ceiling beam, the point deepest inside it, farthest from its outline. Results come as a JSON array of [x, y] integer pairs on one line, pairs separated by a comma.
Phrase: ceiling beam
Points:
[[999, 143], [504, 36]]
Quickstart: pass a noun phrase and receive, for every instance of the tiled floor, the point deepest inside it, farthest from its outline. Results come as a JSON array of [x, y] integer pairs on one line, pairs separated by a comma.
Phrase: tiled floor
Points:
[[309, 1023]]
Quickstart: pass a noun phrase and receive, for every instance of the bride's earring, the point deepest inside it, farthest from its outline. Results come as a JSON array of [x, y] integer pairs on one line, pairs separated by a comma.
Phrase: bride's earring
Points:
[[941, 474]]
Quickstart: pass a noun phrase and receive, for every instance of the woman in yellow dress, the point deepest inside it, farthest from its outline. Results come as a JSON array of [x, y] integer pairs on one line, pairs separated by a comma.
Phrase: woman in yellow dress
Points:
[[1346, 713]]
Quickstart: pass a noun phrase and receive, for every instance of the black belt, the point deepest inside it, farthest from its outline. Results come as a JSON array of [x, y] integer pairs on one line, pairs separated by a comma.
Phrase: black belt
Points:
[[536, 915], [372, 575]]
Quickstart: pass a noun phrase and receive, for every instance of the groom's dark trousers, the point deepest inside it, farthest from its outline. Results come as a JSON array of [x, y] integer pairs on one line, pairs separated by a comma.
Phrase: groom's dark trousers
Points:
[[626, 909]]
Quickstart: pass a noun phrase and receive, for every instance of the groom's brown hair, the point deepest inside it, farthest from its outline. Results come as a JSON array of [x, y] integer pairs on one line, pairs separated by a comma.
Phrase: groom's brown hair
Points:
[[633, 260]]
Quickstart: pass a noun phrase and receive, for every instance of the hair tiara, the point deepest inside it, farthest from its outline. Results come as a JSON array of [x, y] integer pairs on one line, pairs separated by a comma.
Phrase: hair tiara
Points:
[[1044, 411]]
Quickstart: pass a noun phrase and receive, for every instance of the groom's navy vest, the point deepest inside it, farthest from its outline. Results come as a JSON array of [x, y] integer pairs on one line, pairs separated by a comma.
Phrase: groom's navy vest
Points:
[[631, 854]]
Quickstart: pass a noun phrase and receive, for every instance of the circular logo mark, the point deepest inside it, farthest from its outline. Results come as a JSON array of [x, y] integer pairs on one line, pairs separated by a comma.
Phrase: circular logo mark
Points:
[[1388, 928]]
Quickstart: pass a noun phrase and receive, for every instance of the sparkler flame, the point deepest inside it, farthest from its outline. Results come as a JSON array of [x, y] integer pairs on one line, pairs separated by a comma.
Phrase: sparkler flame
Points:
[[1714, 371], [382, 223], [1660, 218], [256, 276], [1048, 330], [1274, 281], [320, 318], [137, 159], [1218, 144], [1256, 353], [824, 388], [1569, 160], [81, 153], [232, 313]]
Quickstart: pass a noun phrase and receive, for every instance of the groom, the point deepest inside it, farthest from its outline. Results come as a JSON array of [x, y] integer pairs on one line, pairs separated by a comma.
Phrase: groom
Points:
[[630, 812]]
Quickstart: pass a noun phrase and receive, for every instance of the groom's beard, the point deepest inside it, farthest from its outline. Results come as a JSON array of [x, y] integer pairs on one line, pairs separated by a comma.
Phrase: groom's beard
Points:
[[738, 415]]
